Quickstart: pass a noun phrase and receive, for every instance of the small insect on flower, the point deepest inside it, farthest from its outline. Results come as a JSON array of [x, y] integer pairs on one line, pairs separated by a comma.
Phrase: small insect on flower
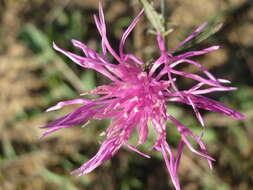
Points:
[[137, 96]]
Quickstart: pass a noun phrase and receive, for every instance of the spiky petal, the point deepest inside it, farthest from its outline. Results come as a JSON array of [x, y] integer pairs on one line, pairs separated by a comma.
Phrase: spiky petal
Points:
[[135, 98]]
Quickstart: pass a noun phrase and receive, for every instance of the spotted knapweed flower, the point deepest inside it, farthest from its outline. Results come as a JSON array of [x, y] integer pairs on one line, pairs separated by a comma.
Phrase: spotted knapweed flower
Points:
[[136, 99]]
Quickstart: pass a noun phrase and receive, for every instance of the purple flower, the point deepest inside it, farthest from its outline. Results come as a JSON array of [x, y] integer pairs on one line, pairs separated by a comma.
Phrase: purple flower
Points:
[[136, 97]]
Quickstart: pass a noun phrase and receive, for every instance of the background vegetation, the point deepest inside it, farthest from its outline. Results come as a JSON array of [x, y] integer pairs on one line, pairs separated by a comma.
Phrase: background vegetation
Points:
[[34, 77]]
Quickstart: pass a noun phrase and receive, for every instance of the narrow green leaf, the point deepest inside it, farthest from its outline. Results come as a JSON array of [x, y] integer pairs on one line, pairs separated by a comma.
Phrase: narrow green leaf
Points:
[[154, 17], [8, 149], [213, 26], [88, 80], [62, 181]]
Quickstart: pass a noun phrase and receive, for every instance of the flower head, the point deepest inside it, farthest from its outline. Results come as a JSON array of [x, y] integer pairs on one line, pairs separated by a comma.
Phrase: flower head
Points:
[[136, 97]]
